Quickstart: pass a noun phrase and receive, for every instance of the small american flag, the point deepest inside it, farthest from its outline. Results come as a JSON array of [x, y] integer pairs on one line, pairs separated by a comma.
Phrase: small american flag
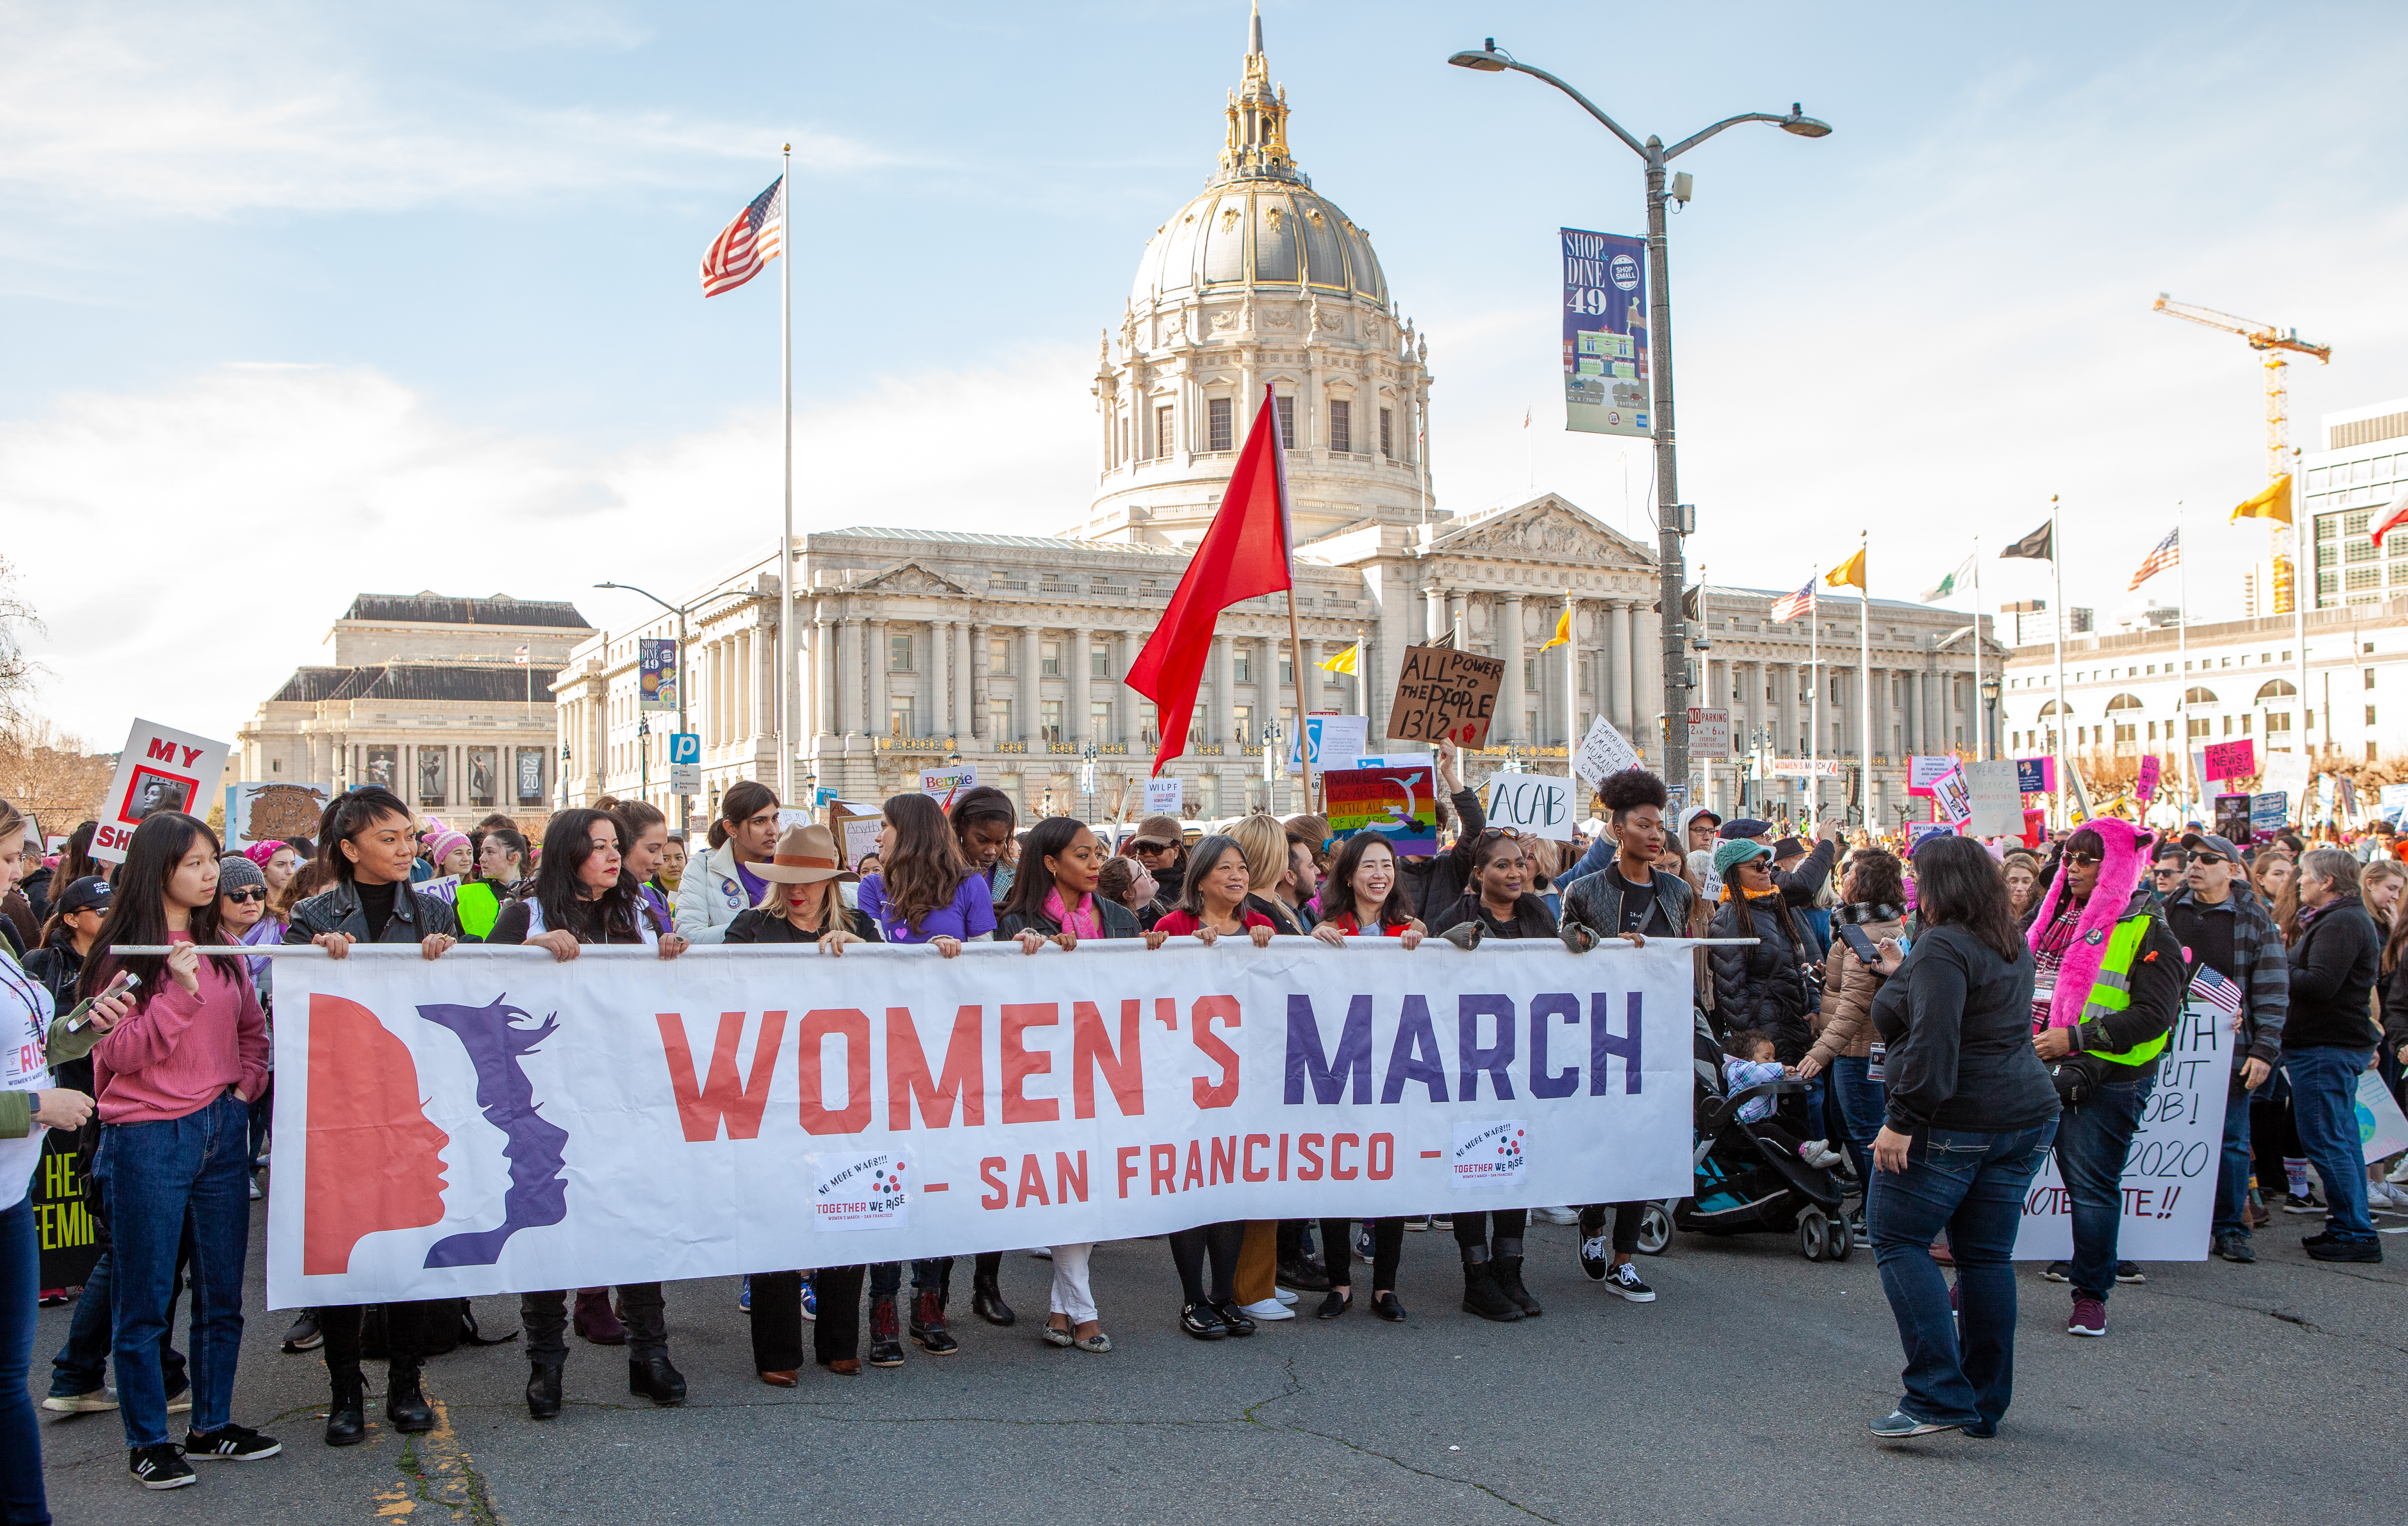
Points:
[[521, 655], [2168, 553], [736, 255], [1794, 605], [2208, 985]]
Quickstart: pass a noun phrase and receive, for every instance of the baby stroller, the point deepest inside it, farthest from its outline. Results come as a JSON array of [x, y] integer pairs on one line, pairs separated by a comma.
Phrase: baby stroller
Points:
[[1748, 1176]]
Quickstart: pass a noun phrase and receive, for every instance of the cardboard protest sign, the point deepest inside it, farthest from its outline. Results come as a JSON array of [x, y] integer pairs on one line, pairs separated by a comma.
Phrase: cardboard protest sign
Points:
[[1997, 808], [1399, 804], [162, 769], [1924, 771], [1603, 753], [1535, 804], [264, 811], [1445, 695], [2145, 789], [2236, 760]]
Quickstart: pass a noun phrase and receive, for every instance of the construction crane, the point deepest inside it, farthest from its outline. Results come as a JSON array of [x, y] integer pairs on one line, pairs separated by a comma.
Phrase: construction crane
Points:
[[2277, 345]]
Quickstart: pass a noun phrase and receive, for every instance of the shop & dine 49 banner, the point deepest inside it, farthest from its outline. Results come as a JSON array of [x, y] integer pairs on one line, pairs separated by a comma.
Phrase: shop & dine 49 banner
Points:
[[499, 1122]]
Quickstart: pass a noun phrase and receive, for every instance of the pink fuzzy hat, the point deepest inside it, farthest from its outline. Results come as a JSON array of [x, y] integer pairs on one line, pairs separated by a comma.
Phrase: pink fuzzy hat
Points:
[[2119, 876], [438, 844]]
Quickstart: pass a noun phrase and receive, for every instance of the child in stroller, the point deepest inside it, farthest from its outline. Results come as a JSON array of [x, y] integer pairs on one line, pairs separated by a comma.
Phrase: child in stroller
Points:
[[1750, 1176]]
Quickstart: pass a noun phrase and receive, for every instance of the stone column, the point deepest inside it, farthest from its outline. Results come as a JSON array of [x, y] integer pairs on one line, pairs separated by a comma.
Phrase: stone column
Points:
[[1127, 644], [1032, 649], [1434, 616], [1456, 621], [1507, 726], [939, 686], [847, 675], [974, 677], [965, 658], [877, 682], [1225, 689], [1619, 668], [1075, 726], [1646, 676]]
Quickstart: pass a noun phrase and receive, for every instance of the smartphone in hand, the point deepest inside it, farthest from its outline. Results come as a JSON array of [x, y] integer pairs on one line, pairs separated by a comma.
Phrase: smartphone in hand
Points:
[[1858, 944]]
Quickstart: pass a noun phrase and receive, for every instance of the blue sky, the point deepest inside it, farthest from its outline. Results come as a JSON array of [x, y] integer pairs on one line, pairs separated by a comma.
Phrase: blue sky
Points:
[[299, 301]]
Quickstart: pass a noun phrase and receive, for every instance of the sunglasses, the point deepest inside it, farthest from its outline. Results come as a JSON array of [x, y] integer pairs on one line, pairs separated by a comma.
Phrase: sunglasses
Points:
[[2081, 859], [2209, 857], [1498, 832], [255, 892]]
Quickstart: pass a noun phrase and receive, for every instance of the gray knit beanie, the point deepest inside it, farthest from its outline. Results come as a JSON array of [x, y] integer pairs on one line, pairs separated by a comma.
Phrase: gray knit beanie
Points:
[[236, 873]]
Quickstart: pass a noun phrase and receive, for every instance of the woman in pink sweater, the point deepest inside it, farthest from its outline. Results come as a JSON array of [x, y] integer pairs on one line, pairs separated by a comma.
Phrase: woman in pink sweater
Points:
[[173, 1082]]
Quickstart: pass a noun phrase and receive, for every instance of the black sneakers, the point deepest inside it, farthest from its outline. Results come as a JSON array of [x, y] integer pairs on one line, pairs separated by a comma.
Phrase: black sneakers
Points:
[[230, 1444], [2332, 1247], [160, 1466], [1627, 1283], [1595, 1256]]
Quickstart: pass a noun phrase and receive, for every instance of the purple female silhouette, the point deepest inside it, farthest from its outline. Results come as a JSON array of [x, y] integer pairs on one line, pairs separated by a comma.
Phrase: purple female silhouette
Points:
[[538, 1192]]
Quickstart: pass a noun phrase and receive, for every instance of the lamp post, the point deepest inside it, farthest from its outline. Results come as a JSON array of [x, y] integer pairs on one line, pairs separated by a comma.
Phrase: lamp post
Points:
[[643, 728], [1989, 708], [1671, 521]]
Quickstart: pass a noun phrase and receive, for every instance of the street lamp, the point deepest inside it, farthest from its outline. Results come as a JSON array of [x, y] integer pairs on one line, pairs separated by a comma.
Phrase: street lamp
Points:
[[1990, 714], [1671, 524], [685, 802]]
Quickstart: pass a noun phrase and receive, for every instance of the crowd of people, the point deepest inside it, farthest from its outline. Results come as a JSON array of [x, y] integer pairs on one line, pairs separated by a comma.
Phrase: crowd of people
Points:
[[1921, 1030]]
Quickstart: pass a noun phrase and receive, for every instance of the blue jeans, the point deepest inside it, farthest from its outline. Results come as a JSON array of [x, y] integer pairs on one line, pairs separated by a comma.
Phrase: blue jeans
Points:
[[1861, 1108], [2232, 1176], [20, 1440], [926, 1275], [2092, 1141], [83, 1363], [2324, 1101], [1961, 1367], [158, 1177]]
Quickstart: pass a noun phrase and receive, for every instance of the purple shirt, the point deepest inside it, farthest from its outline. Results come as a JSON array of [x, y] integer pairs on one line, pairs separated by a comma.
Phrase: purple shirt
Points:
[[970, 917]]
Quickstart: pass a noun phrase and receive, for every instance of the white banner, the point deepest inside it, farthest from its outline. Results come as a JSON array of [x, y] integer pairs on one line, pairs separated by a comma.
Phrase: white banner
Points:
[[2170, 1175], [494, 1122]]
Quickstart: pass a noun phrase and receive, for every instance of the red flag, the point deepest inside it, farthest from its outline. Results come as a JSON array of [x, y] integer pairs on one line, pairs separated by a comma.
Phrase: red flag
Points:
[[1244, 556], [2391, 518]]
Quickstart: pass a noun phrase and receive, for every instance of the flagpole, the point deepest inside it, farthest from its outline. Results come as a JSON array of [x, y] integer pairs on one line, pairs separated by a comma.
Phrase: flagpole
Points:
[[2181, 647], [1980, 719], [2056, 571], [1815, 706], [1865, 672], [789, 696]]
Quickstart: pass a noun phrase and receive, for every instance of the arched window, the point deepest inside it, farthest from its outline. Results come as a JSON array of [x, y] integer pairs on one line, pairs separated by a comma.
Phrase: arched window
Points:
[[2055, 708], [2124, 702], [2276, 688], [2200, 697]]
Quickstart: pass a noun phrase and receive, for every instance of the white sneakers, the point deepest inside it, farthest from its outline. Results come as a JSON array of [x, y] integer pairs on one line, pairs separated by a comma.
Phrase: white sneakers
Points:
[[1555, 1216], [1269, 1309], [1819, 1155], [2382, 1194]]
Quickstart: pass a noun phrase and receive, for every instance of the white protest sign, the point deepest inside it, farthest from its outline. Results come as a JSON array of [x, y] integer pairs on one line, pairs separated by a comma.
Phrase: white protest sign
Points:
[[1603, 752], [498, 1119], [1536, 805], [2285, 773], [2380, 1125], [1166, 796], [859, 836], [1924, 772], [1398, 760], [945, 783], [1953, 796], [162, 769], [1998, 804], [1335, 741], [2169, 1174]]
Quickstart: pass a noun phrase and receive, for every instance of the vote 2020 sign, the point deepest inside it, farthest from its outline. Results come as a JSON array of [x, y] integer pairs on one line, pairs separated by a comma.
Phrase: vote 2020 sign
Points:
[[494, 1122]]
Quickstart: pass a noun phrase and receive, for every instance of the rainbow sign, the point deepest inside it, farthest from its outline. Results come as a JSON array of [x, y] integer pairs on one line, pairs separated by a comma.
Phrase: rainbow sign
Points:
[[1400, 804]]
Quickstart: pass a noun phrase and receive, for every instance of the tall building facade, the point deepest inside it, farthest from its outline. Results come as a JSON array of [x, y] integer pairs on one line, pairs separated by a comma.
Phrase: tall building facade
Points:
[[2343, 488]]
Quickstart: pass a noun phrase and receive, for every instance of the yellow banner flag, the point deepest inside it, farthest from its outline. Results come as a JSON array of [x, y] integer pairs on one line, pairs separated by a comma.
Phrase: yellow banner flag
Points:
[[2273, 503], [1848, 574], [1563, 629], [1343, 661]]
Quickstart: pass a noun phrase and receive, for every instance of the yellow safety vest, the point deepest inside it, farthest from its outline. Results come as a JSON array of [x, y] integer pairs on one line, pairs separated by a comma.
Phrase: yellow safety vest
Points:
[[479, 907], [2112, 991]]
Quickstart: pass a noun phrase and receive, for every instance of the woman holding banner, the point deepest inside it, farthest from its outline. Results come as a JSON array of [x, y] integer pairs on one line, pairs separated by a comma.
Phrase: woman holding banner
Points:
[[802, 905], [1364, 896], [1054, 900], [984, 819], [583, 894]]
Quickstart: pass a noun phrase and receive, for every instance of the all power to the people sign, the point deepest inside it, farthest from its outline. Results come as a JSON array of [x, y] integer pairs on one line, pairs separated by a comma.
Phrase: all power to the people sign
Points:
[[494, 1122]]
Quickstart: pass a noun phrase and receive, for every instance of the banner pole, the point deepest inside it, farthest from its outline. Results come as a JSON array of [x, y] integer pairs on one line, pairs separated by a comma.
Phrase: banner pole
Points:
[[1296, 671], [789, 700]]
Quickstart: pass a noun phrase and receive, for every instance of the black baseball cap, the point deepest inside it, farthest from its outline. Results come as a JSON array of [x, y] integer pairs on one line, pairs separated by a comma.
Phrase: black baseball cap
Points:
[[90, 893], [2210, 842]]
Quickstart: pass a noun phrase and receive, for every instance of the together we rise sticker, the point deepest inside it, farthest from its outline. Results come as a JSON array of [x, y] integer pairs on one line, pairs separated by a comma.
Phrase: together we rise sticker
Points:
[[858, 1190], [1488, 1154]]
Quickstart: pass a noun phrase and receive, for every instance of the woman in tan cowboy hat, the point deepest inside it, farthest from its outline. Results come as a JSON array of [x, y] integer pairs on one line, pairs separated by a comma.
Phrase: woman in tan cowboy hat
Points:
[[800, 904]]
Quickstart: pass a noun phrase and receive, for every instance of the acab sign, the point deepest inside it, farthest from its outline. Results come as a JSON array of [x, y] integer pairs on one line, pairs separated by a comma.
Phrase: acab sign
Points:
[[1537, 804]]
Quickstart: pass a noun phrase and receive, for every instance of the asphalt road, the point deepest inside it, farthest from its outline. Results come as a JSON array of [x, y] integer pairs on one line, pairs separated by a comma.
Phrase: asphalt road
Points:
[[2222, 1392]]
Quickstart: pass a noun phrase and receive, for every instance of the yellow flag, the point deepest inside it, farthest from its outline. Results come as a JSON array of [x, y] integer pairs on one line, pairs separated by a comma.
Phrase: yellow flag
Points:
[[1563, 630], [1848, 574], [1344, 660], [2273, 503]]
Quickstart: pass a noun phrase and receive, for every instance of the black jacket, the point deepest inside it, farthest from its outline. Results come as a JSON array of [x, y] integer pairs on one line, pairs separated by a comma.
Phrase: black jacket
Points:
[[1431, 884], [1119, 923], [416, 916], [1957, 1021], [58, 967], [1595, 902], [1800, 885], [36, 889], [1531, 918], [753, 925], [1762, 985], [2334, 963]]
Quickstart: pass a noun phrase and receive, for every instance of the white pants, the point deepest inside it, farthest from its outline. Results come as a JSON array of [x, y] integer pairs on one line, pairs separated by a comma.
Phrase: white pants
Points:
[[1071, 1294]]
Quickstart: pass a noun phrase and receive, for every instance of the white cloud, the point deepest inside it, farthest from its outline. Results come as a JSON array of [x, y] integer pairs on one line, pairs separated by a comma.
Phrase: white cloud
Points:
[[189, 548], [187, 113]]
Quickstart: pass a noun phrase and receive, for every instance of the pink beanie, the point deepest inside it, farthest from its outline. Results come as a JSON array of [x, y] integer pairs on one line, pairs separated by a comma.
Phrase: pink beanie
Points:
[[260, 853], [439, 844]]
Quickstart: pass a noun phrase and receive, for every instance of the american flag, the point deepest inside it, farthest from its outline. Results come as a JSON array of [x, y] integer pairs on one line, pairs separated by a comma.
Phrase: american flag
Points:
[[736, 255], [2168, 553], [2208, 985], [521, 655], [1794, 605]]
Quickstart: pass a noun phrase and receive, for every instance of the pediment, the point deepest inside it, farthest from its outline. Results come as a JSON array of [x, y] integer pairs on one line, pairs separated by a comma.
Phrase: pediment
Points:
[[1547, 529], [912, 577]]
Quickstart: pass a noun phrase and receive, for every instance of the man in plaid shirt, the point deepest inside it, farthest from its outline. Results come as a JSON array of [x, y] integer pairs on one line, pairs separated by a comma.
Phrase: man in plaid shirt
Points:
[[2227, 928]]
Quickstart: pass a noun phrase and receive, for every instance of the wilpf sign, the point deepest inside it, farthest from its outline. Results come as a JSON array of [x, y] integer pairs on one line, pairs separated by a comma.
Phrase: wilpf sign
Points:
[[162, 769], [1445, 695]]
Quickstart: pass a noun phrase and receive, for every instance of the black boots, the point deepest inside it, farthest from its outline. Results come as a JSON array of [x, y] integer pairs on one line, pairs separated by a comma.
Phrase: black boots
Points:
[[986, 1298], [346, 1418], [929, 1324], [653, 1378], [1483, 1297], [543, 1388], [885, 1332], [404, 1403], [1509, 1282]]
